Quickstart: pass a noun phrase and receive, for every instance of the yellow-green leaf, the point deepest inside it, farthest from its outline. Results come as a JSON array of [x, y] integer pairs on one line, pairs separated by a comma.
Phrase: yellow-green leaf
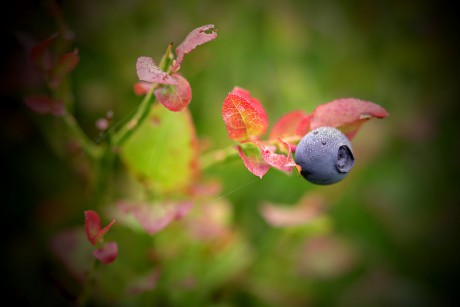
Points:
[[163, 151]]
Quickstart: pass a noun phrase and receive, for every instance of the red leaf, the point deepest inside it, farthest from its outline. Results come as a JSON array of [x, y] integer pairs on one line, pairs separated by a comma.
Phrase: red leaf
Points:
[[39, 104], [195, 38], [175, 97], [148, 71], [42, 104], [288, 125], [107, 253], [308, 209], [245, 94], [326, 257], [40, 55], [304, 126], [280, 161], [92, 226], [181, 210], [102, 232], [144, 283], [64, 66], [155, 217], [244, 116], [348, 114], [142, 87], [202, 189], [253, 160], [211, 221]]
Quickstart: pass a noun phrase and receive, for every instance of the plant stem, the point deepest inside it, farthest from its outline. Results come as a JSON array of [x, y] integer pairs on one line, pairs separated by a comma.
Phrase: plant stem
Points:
[[103, 170], [91, 149], [89, 282], [143, 110], [218, 156], [230, 153], [136, 120]]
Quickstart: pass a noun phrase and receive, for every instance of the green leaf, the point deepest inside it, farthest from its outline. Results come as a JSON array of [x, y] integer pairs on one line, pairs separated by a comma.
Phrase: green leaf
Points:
[[163, 151]]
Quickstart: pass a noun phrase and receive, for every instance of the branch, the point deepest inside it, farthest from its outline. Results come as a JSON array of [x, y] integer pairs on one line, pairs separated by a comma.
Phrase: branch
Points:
[[229, 154], [90, 148], [136, 120], [143, 110]]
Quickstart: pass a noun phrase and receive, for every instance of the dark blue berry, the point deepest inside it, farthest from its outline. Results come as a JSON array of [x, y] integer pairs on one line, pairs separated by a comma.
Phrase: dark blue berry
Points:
[[325, 156]]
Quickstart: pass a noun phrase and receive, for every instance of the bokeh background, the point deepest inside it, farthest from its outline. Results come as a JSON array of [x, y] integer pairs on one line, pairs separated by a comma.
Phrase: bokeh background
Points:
[[389, 233]]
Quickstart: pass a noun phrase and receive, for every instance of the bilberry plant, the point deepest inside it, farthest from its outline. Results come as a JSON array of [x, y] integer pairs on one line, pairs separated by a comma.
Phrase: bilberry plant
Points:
[[158, 146]]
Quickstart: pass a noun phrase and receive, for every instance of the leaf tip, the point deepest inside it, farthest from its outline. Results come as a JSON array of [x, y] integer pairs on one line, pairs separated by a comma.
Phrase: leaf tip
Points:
[[195, 38]]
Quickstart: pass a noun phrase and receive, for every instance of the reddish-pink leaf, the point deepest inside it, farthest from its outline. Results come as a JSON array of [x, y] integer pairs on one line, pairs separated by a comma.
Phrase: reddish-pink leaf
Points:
[[102, 232], [92, 226], [280, 161], [304, 126], [253, 160], [40, 54], [107, 253], [243, 115], [347, 114], [350, 130], [254, 102], [182, 209], [205, 189], [175, 97], [142, 87], [195, 38], [148, 71], [210, 221], [326, 257], [39, 104], [42, 104], [144, 283], [288, 125], [308, 209], [155, 217], [64, 66]]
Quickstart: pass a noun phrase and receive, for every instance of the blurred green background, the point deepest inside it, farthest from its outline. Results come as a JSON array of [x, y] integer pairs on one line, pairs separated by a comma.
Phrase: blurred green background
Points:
[[396, 213]]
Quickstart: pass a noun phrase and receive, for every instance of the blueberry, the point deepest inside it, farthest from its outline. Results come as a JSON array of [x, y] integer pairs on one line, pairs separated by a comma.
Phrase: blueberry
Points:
[[325, 156]]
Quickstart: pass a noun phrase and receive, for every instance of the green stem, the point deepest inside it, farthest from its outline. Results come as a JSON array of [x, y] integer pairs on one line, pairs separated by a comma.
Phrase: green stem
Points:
[[89, 283], [142, 112], [218, 156], [101, 187], [91, 149], [230, 153], [138, 117]]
